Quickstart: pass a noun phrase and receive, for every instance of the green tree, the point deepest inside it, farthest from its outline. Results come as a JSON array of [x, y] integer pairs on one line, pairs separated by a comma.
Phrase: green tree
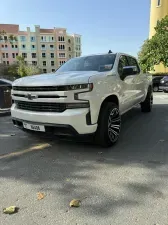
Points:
[[155, 50], [10, 38], [26, 70]]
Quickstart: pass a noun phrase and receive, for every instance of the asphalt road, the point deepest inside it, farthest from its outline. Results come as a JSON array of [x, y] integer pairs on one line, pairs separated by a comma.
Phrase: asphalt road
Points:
[[126, 184]]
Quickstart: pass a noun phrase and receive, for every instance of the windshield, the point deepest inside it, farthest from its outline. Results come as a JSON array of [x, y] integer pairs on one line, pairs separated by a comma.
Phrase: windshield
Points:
[[98, 63]]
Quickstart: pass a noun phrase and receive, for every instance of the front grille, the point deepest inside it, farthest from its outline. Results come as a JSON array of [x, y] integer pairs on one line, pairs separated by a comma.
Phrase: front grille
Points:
[[41, 88], [41, 106]]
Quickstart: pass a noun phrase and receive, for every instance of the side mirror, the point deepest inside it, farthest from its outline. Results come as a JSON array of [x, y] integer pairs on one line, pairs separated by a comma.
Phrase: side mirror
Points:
[[128, 71]]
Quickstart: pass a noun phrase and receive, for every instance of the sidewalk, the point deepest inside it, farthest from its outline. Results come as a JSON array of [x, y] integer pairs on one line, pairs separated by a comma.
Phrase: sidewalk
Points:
[[4, 112]]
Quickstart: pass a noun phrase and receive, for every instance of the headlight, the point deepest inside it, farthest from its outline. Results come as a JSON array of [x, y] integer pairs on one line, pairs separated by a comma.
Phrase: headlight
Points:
[[77, 105], [79, 86]]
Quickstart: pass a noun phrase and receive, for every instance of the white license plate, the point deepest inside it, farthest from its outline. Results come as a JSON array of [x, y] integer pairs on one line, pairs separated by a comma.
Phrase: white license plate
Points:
[[34, 127]]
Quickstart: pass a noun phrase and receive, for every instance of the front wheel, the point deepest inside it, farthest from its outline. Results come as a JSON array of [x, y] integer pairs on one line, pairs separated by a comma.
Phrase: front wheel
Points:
[[109, 125], [146, 106]]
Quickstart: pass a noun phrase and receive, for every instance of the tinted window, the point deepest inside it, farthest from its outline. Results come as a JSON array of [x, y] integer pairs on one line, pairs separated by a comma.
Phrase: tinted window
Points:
[[99, 63], [122, 63], [133, 62]]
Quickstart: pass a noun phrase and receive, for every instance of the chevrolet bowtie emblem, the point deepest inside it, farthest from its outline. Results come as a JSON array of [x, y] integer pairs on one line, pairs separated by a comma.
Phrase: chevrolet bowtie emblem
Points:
[[31, 97]]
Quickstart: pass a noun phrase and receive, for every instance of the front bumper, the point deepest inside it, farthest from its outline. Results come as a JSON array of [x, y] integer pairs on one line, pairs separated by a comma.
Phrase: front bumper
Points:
[[164, 88], [71, 121]]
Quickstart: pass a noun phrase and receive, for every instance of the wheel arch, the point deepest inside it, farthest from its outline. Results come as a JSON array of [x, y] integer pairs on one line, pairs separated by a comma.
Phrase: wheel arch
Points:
[[113, 98]]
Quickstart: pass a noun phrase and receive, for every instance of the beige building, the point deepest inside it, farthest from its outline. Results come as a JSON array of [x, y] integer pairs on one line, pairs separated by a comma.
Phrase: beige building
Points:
[[46, 48], [159, 9]]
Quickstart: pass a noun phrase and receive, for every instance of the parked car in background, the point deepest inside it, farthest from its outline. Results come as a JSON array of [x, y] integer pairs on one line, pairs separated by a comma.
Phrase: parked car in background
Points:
[[156, 82], [164, 84], [5, 93]]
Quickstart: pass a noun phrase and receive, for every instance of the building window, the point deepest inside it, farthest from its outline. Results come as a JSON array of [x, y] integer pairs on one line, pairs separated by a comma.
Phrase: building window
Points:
[[62, 47], [69, 41], [52, 55], [5, 38], [16, 54], [52, 38], [51, 46], [7, 62], [2, 46], [13, 55], [76, 54], [34, 63], [6, 46], [33, 55], [32, 38], [61, 38], [62, 62], [44, 63], [23, 46], [3, 55], [43, 47], [44, 71], [16, 46], [6, 55], [33, 46], [22, 38], [24, 55], [158, 2], [43, 55], [69, 48], [62, 55], [69, 56], [43, 38], [53, 70], [4, 62], [52, 63], [13, 46]]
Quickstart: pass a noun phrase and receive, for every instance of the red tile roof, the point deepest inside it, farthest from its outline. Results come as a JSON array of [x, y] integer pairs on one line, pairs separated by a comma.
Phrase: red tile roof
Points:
[[22, 32], [9, 28], [46, 30]]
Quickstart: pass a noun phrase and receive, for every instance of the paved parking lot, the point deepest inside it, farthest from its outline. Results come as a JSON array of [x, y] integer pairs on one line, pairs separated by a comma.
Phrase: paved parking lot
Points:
[[126, 184]]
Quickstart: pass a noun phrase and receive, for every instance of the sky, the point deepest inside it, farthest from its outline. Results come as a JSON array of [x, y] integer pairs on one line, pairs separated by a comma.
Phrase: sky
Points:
[[119, 25]]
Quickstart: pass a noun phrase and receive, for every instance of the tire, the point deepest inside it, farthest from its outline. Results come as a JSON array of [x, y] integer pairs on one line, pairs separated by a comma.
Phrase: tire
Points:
[[109, 125], [146, 106], [155, 88], [165, 91]]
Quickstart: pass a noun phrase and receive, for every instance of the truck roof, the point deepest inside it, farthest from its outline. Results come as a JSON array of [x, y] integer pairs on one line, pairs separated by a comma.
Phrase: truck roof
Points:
[[117, 53]]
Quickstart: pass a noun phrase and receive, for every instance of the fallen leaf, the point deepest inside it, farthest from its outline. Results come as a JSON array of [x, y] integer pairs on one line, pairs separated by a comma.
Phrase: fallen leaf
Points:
[[67, 179], [40, 195], [75, 203], [10, 210]]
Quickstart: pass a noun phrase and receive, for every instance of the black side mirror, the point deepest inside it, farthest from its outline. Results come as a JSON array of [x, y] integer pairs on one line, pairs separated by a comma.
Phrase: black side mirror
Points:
[[128, 71]]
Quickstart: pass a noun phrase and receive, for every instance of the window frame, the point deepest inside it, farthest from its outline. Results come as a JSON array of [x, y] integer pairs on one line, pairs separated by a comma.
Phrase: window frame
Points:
[[119, 62], [139, 70], [158, 3]]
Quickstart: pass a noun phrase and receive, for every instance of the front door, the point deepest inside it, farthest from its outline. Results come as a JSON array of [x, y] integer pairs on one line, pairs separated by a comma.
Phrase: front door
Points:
[[137, 81], [127, 86]]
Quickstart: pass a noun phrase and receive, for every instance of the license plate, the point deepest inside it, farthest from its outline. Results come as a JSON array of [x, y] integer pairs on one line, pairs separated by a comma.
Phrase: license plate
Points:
[[34, 127]]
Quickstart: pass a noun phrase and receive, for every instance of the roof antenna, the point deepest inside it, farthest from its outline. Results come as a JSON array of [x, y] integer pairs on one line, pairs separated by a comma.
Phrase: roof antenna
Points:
[[109, 51]]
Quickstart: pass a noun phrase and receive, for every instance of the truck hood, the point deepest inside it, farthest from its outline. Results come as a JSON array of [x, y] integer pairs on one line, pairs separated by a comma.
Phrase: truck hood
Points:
[[53, 79]]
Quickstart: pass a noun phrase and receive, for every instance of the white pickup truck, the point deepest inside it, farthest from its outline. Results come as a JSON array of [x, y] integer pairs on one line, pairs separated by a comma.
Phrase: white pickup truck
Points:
[[86, 95]]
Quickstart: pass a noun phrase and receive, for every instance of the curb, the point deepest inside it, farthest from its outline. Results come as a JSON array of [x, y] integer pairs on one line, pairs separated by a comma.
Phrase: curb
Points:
[[5, 112]]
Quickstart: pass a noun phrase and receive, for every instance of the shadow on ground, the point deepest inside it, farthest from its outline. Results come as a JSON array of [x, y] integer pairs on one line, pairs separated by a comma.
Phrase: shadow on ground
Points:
[[122, 176]]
